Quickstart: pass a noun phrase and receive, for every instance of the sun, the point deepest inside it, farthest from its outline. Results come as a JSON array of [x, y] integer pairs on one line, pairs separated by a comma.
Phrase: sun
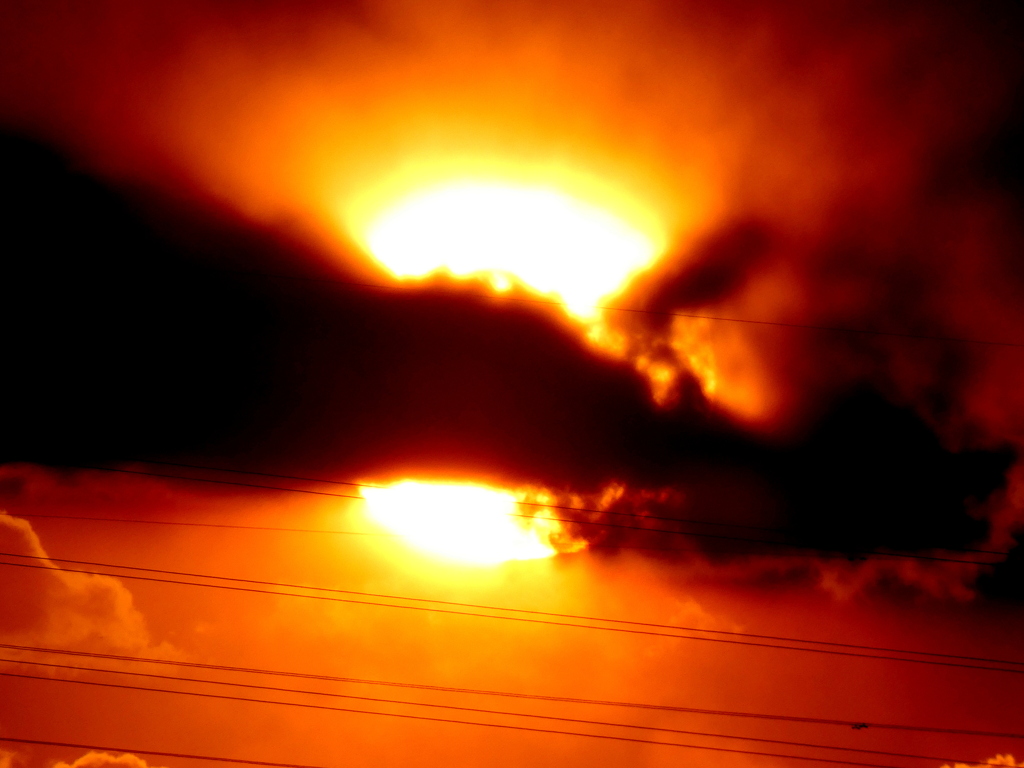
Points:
[[465, 523], [548, 240]]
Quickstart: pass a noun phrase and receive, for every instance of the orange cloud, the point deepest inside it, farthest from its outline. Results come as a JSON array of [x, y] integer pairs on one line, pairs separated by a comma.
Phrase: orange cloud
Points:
[[1005, 760], [45, 605], [105, 760]]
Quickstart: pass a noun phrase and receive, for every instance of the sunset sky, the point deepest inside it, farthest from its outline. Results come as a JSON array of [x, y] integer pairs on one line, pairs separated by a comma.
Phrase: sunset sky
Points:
[[511, 383]]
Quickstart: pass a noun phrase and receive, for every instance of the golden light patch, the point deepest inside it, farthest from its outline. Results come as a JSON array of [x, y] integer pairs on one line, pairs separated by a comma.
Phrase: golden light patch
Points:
[[545, 239], [465, 523]]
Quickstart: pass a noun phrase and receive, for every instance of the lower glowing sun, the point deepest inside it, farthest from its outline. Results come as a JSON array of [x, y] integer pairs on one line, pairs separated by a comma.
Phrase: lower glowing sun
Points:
[[464, 523]]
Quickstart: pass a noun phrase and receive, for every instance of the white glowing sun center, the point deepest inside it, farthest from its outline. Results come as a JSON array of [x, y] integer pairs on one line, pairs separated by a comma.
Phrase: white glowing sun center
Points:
[[466, 523], [540, 237]]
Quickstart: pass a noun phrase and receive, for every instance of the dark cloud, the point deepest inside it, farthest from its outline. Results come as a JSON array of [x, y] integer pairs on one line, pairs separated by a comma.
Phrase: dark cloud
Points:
[[849, 166], [143, 329], [707, 273], [115, 342], [874, 475]]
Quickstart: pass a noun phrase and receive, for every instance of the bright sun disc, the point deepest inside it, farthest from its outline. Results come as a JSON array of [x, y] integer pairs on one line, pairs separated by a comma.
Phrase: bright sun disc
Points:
[[467, 523], [547, 240]]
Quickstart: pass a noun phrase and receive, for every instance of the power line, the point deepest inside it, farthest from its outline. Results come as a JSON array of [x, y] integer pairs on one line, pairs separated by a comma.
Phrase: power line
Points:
[[407, 716], [532, 612], [721, 537], [480, 710], [633, 628], [641, 311], [858, 724], [218, 482], [277, 529], [455, 603]]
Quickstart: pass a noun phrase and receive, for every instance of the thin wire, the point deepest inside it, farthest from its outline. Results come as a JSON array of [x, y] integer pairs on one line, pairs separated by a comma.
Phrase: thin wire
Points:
[[531, 612], [857, 724], [480, 710], [639, 311], [802, 547], [407, 716], [524, 619], [207, 525]]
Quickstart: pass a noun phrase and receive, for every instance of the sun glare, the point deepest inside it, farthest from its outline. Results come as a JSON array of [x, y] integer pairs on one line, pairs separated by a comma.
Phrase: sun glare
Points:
[[549, 241], [465, 523]]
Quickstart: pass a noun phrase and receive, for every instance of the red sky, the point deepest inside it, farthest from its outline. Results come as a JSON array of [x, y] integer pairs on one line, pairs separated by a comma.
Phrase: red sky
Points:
[[821, 367]]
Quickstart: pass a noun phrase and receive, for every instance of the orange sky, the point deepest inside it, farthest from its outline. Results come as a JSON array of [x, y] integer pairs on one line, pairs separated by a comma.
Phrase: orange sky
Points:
[[756, 181], [249, 630]]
